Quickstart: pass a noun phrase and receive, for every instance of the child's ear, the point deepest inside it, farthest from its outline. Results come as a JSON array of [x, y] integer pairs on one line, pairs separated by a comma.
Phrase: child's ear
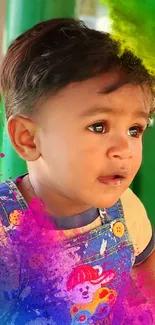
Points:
[[23, 135]]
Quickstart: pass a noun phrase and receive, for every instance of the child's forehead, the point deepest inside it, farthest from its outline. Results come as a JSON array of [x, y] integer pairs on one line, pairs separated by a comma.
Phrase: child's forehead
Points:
[[107, 90], [99, 84], [105, 84], [109, 87]]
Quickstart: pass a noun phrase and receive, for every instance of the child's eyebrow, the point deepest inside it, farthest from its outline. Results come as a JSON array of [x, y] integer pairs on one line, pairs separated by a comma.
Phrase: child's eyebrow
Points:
[[96, 110], [142, 114], [113, 87]]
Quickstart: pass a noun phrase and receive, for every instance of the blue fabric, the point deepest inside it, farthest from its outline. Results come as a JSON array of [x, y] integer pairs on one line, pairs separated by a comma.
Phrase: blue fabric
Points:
[[45, 281]]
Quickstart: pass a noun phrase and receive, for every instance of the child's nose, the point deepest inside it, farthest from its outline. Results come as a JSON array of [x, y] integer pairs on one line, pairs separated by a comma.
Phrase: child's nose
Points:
[[120, 149]]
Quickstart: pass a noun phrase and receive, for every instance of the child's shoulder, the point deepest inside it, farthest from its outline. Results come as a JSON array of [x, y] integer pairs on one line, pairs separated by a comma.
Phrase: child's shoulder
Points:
[[12, 204], [134, 209], [7, 190], [3, 189], [137, 222], [131, 203]]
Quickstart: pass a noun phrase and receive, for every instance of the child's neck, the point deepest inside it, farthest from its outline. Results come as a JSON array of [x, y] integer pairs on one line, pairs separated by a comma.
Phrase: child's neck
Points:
[[56, 204]]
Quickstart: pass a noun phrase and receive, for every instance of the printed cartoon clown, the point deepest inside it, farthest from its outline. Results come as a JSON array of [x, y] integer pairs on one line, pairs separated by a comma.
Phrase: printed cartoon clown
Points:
[[86, 287]]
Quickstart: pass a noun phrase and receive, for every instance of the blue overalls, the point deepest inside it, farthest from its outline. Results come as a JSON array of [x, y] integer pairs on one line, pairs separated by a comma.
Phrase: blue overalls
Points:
[[79, 281]]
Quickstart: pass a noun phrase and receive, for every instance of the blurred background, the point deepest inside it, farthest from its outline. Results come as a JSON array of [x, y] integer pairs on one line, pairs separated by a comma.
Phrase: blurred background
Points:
[[16, 16]]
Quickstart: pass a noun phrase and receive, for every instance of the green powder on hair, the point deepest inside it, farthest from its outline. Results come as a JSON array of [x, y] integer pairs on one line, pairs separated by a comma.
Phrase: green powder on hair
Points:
[[133, 24]]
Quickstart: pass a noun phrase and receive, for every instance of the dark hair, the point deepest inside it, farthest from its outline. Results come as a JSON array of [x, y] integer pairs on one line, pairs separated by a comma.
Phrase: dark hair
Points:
[[55, 53]]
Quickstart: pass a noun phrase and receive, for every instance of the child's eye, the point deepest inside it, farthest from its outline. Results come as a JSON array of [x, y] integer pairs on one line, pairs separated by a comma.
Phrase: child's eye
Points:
[[98, 127], [136, 131]]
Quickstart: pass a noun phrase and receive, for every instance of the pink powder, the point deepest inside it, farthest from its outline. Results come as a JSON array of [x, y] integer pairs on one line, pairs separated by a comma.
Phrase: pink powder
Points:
[[19, 180]]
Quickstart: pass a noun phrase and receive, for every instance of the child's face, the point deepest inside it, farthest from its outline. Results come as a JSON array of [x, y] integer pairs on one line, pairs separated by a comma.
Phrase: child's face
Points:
[[77, 161]]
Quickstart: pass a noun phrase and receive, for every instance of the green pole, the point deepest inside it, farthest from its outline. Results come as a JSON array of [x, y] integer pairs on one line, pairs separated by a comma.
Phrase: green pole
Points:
[[20, 16]]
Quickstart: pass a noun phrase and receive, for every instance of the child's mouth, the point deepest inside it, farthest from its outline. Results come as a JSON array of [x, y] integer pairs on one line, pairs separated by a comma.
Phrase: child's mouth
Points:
[[112, 180]]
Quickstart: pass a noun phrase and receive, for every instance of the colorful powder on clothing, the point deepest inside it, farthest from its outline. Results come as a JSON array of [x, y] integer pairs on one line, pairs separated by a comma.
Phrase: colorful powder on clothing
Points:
[[133, 24], [2, 155], [18, 180], [38, 209]]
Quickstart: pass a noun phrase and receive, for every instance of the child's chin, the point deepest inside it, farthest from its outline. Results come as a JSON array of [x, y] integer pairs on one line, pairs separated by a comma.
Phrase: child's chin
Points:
[[107, 201]]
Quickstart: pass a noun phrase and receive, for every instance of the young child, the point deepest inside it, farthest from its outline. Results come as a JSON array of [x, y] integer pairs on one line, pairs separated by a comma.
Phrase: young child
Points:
[[71, 229]]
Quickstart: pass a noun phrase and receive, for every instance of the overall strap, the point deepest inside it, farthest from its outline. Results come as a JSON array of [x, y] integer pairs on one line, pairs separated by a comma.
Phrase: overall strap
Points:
[[10, 200], [112, 213]]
